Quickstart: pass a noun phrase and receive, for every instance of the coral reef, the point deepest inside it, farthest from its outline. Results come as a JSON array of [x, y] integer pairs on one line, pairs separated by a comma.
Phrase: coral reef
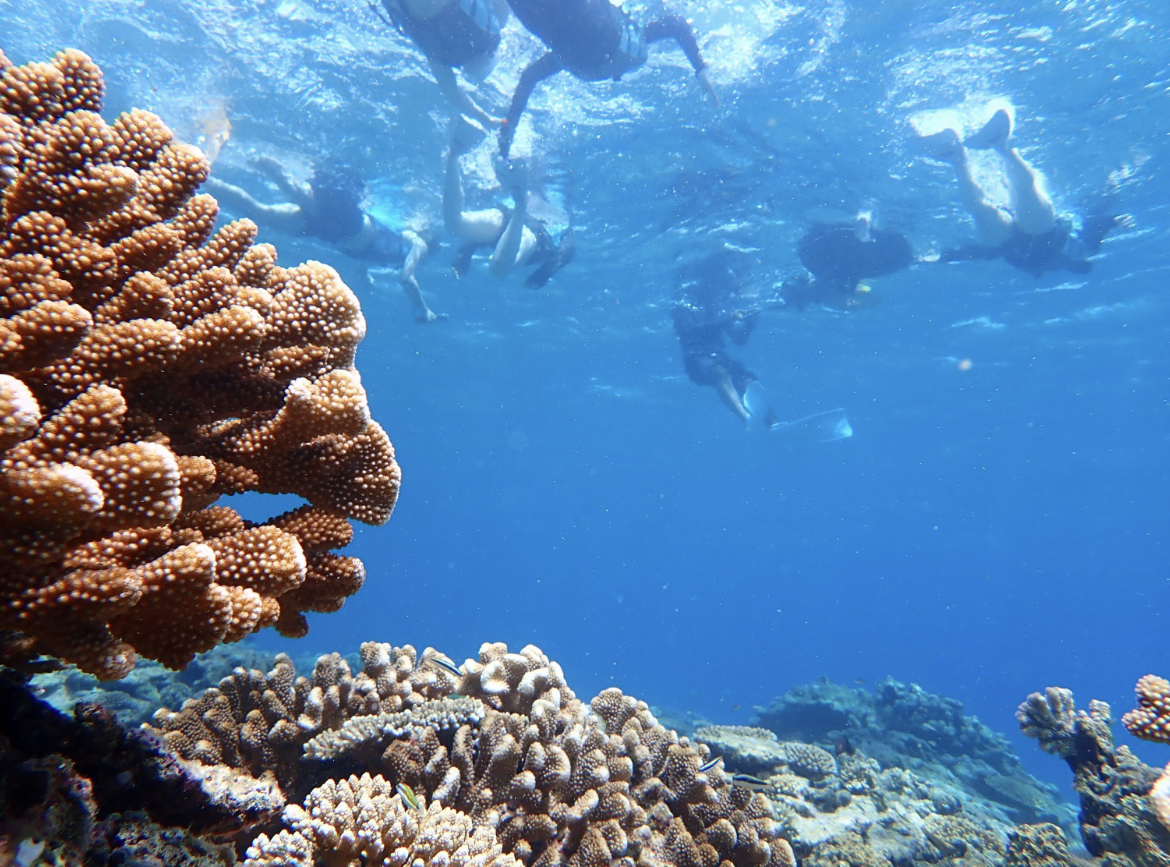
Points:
[[411, 759], [147, 367], [258, 723], [1150, 720], [362, 821], [135, 698], [897, 776], [904, 726], [62, 779], [132, 838], [1119, 820], [556, 780], [749, 749], [1042, 845]]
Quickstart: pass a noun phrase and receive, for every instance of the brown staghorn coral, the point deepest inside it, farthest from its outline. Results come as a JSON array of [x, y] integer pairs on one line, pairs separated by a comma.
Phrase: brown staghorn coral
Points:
[[1150, 720], [147, 367]]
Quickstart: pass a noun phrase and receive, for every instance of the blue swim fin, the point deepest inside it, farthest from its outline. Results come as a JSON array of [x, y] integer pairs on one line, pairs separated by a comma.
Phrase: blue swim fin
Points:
[[824, 427]]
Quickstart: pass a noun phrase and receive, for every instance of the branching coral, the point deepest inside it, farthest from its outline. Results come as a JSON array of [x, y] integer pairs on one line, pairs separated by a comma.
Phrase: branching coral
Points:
[[1121, 803], [362, 821], [147, 367], [559, 781]]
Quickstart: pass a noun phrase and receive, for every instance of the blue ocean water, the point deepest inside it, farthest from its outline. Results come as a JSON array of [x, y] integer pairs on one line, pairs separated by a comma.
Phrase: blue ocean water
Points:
[[991, 528]]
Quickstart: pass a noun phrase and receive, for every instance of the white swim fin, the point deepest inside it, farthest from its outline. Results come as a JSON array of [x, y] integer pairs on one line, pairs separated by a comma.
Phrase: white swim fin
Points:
[[824, 427], [755, 401]]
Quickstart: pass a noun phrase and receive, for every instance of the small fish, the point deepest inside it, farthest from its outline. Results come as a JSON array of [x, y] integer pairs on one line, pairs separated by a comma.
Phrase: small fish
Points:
[[706, 766], [735, 707], [747, 781], [408, 795], [444, 663]]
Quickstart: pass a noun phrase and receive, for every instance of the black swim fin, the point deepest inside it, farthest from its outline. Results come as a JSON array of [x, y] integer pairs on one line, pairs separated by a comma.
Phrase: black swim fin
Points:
[[462, 261], [566, 249]]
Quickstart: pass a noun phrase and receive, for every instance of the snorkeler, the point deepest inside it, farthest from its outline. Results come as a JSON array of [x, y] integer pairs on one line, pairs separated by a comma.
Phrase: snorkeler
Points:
[[592, 39], [1027, 234], [329, 208], [715, 298], [839, 256], [453, 34], [515, 238]]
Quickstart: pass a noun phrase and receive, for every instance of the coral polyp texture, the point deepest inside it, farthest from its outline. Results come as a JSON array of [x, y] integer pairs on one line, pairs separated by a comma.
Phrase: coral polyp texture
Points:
[[1150, 720], [405, 762], [147, 367]]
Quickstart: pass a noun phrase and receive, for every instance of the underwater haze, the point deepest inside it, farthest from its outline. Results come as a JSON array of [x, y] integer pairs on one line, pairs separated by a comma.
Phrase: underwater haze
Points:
[[998, 521]]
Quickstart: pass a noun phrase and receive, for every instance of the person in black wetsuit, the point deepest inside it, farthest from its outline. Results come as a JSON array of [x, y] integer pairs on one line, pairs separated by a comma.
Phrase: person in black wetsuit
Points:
[[592, 39], [715, 298], [515, 239], [453, 34], [1027, 234], [839, 256], [329, 208]]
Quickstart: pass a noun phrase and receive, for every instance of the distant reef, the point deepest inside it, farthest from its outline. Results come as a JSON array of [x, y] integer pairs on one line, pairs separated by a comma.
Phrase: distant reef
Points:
[[894, 776]]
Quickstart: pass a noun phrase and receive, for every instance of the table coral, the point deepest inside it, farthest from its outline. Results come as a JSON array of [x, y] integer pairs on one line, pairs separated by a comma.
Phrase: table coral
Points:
[[147, 367]]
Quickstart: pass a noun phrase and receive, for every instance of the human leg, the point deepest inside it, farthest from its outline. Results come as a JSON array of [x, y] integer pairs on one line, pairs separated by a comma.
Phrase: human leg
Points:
[[418, 249], [516, 242], [475, 227], [725, 388], [994, 227], [457, 96], [1031, 208]]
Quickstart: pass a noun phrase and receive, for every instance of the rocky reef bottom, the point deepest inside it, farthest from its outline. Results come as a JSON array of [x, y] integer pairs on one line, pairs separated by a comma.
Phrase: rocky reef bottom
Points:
[[399, 758]]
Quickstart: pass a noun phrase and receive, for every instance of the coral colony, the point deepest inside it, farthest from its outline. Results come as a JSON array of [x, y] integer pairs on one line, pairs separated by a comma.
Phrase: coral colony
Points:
[[149, 367]]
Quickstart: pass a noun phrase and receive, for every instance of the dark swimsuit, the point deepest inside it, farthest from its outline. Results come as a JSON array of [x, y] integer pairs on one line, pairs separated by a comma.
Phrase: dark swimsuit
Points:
[[465, 31], [385, 247], [701, 320], [592, 39], [839, 260], [1058, 249], [548, 254]]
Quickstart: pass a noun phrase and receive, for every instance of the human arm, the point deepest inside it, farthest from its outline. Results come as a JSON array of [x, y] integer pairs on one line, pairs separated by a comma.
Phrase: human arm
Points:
[[676, 28], [300, 193], [533, 74], [741, 325], [285, 217], [458, 97]]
